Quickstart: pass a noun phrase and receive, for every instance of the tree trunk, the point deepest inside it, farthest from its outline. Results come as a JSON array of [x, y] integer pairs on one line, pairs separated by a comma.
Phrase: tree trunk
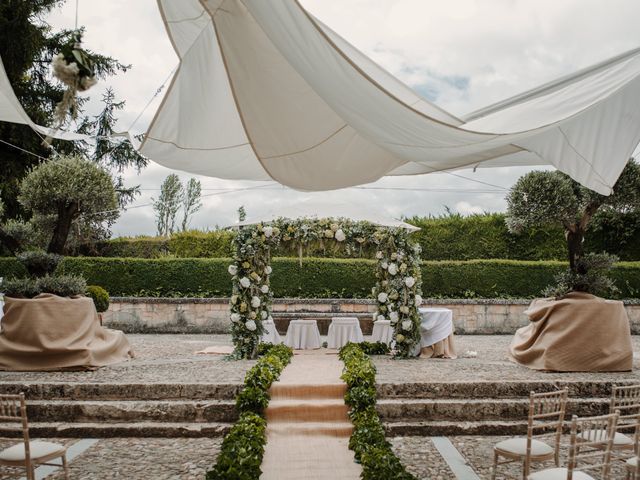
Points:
[[66, 214], [575, 246]]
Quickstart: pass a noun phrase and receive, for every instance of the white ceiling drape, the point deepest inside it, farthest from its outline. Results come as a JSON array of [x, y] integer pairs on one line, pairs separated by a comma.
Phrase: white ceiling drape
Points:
[[266, 91]]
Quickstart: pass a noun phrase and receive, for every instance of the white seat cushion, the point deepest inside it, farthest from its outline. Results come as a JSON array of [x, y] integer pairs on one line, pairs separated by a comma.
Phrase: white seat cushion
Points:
[[519, 447], [619, 439], [37, 450], [558, 474], [633, 462]]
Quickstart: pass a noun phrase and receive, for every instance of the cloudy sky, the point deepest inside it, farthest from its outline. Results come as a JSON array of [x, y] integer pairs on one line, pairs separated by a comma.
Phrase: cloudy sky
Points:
[[462, 55]]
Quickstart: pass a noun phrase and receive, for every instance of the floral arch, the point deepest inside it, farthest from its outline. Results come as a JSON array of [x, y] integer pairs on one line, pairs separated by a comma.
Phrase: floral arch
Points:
[[398, 282]]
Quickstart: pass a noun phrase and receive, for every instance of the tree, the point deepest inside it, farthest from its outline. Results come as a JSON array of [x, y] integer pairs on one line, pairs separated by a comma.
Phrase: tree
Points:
[[242, 214], [191, 202], [57, 193], [546, 198], [168, 204], [27, 45]]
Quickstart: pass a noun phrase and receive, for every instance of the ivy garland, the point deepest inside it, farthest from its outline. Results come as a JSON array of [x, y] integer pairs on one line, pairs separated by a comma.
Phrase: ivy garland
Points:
[[398, 279]]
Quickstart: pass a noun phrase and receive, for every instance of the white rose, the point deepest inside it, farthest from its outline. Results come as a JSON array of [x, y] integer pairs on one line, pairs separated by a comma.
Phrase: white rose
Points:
[[393, 268], [340, 236], [255, 302], [379, 255], [393, 316], [245, 282], [384, 265], [268, 231], [394, 256], [409, 281], [382, 297], [407, 325], [233, 269], [268, 270], [400, 338], [381, 317], [264, 314], [418, 300], [251, 325], [264, 288], [234, 299], [235, 317]]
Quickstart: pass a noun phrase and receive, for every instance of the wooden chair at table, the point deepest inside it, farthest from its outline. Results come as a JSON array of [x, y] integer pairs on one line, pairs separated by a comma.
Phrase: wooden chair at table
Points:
[[587, 455], [632, 463], [625, 400], [546, 413], [27, 454]]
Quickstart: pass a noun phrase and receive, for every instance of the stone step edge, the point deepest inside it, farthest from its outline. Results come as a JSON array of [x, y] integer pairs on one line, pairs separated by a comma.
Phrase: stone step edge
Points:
[[109, 430]]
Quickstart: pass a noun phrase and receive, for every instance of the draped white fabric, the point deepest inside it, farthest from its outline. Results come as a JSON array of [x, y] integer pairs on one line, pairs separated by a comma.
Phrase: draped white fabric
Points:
[[266, 91], [11, 111]]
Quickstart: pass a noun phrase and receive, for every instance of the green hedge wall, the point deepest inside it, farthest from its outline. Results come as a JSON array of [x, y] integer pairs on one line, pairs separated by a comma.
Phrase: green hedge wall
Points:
[[320, 278]]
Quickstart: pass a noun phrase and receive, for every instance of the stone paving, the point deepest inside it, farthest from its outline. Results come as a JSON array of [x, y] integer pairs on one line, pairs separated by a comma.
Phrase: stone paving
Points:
[[189, 459]]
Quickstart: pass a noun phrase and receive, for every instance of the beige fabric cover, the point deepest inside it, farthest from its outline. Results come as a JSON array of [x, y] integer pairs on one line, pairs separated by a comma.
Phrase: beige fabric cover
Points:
[[579, 333], [54, 333], [559, 474], [443, 349]]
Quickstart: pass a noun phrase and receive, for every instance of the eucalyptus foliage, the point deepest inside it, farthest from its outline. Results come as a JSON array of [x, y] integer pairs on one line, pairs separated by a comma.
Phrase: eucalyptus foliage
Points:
[[397, 274]]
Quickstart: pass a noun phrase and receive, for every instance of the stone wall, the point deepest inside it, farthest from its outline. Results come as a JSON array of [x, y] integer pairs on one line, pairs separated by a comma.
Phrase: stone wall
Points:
[[211, 315]]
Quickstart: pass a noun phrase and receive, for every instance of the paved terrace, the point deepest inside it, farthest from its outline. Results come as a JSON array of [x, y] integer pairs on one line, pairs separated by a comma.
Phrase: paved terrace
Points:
[[171, 359]]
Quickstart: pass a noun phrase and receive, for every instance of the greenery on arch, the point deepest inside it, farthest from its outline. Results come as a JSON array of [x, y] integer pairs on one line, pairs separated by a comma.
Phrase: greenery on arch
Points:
[[398, 281]]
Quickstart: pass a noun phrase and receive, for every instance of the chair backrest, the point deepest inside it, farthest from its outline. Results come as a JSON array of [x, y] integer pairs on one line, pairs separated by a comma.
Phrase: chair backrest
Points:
[[13, 409], [588, 435], [626, 400], [547, 411]]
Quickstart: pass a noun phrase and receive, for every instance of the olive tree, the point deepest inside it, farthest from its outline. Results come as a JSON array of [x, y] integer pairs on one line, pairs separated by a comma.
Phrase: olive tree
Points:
[[62, 190], [550, 198]]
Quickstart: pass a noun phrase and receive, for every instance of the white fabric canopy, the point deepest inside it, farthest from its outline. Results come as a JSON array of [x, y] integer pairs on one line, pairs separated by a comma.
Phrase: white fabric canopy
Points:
[[11, 111], [326, 208], [266, 91]]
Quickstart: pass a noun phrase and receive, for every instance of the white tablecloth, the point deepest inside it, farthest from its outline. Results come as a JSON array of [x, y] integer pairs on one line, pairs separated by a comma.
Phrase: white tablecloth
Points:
[[270, 334], [303, 334], [343, 330], [382, 331], [436, 324]]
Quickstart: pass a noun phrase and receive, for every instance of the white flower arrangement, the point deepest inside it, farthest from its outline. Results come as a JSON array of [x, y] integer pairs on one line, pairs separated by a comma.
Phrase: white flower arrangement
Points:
[[233, 270], [380, 318], [394, 256], [264, 314], [393, 269], [383, 297], [379, 255], [251, 325], [399, 338], [245, 282], [264, 289], [255, 302], [384, 265], [268, 231], [404, 309], [235, 317], [268, 270], [393, 316], [418, 300], [253, 315], [234, 299], [409, 281], [407, 325], [340, 236]]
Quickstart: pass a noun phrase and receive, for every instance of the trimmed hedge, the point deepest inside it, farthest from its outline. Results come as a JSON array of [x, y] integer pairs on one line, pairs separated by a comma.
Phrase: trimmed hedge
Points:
[[448, 237], [320, 278]]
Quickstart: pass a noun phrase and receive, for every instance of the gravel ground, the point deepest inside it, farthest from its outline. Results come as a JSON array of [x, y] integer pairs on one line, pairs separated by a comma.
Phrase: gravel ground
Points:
[[421, 458], [491, 363], [159, 359]]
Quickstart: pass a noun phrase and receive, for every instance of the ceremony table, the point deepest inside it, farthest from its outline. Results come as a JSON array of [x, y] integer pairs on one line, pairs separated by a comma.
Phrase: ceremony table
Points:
[[343, 330], [436, 332], [303, 334], [382, 331], [270, 334]]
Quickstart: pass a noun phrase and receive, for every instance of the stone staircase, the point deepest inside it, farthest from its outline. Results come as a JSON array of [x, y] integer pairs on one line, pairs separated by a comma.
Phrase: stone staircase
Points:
[[206, 410]]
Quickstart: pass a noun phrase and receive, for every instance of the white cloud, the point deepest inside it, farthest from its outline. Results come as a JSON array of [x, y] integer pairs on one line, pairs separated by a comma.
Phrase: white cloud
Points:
[[464, 54]]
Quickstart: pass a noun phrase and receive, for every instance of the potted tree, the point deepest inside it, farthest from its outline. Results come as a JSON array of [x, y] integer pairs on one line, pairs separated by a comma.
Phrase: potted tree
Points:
[[573, 329]]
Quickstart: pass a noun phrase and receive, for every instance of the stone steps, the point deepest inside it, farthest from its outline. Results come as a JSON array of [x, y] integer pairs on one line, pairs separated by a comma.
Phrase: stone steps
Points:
[[444, 428], [133, 429]]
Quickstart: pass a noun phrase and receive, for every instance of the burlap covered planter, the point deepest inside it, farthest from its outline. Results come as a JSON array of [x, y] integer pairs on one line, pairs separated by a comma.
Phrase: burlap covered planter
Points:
[[54, 333], [578, 333]]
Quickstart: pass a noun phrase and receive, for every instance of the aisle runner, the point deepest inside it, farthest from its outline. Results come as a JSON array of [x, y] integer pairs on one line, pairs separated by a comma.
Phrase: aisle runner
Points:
[[307, 425]]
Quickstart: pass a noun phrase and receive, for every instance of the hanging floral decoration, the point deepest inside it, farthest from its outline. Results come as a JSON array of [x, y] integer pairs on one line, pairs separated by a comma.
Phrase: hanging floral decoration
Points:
[[74, 67], [398, 282]]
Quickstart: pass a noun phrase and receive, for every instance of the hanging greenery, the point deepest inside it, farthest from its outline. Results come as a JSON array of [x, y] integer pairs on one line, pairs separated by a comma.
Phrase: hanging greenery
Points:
[[397, 288], [74, 67]]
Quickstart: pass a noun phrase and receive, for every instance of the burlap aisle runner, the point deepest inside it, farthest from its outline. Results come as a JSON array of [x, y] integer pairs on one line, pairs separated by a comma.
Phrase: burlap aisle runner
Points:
[[307, 425]]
